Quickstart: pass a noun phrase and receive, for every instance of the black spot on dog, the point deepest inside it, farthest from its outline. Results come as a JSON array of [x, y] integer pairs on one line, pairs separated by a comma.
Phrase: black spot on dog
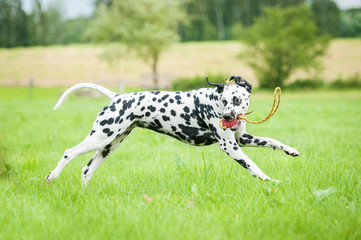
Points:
[[103, 111], [188, 131], [186, 109], [92, 132], [244, 141], [171, 100], [141, 98], [90, 162], [127, 104], [165, 97], [131, 116], [162, 110], [85, 172], [152, 108], [109, 121], [186, 117], [243, 163], [65, 156], [214, 131], [165, 118], [247, 136], [159, 125], [106, 150], [209, 139], [262, 143], [112, 107], [181, 136], [173, 113], [147, 114], [106, 130]]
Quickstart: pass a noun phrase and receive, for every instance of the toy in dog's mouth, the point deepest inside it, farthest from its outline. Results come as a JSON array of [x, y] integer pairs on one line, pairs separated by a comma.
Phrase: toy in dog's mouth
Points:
[[233, 124]]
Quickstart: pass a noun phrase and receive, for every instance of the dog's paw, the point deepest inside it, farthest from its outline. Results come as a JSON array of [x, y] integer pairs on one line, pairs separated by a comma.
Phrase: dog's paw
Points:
[[291, 151], [49, 179], [266, 178]]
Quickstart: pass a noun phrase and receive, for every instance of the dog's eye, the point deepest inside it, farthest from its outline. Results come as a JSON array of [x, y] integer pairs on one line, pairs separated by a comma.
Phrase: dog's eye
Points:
[[237, 101], [224, 102]]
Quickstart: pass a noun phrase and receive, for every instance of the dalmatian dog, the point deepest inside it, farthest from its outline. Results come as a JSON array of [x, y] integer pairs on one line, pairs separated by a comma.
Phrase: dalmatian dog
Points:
[[192, 117]]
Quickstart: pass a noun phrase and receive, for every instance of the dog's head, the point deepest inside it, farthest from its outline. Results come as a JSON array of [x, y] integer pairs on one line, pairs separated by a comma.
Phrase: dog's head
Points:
[[235, 100]]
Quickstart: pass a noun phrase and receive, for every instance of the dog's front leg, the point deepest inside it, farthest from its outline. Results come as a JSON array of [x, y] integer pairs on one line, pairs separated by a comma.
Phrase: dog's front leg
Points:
[[231, 147], [248, 140]]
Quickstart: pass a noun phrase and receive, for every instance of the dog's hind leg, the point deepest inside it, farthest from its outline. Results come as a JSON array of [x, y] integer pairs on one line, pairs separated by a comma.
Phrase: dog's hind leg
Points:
[[90, 143], [99, 157]]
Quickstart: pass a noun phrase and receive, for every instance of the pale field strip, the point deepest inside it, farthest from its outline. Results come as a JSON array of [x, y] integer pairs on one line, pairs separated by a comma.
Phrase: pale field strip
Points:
[[67, 65]]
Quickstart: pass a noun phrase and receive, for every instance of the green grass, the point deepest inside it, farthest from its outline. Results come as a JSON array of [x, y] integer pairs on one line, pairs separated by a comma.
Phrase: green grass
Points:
[[197, 192]]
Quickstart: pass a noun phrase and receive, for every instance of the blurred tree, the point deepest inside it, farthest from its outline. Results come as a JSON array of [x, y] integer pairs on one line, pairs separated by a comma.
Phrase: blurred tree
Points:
[[198, 27], [98, 3], [215, 19], [282, 41], [327, 16], [146, 27], [74, 30], [237, 31], [13, 24], [350, 25], [46, 25], [55, 29]]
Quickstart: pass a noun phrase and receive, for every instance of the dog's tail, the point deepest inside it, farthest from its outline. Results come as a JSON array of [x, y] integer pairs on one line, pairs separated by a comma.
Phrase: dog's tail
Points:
[[99, 88]]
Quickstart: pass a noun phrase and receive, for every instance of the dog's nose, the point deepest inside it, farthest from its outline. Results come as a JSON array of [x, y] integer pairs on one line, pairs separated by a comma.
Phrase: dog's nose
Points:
[[228, 116]]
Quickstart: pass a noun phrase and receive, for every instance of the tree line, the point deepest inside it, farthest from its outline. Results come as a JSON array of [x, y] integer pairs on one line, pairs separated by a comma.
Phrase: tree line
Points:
[[39, 27], [205, 20]]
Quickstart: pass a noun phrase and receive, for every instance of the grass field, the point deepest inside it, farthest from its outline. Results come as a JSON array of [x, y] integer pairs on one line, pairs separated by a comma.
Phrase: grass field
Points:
[[154, 187], [66, 65]]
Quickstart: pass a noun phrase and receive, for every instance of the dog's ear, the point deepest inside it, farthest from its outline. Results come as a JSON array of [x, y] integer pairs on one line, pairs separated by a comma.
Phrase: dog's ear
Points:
[[242, 82], [219, 86]]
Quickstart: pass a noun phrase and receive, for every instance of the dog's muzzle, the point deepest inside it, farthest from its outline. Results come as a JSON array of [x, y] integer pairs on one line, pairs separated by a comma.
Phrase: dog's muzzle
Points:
[[229, 116], [230, 121]]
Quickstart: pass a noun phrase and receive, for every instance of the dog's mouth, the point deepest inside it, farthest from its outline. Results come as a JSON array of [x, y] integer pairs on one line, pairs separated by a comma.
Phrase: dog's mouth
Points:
[[233, 124]]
